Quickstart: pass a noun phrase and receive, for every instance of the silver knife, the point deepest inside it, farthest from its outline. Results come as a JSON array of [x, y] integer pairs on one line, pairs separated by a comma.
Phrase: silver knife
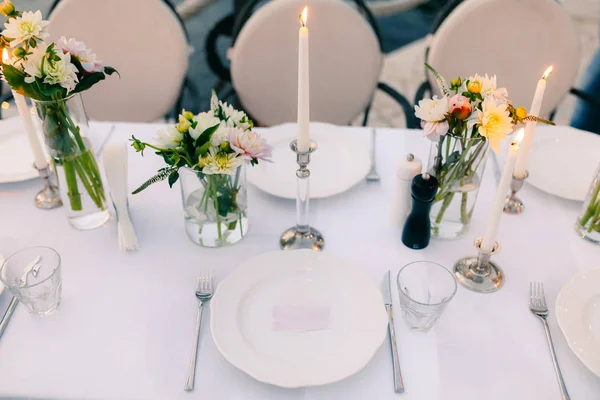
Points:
[[9, 312], [386, 291]]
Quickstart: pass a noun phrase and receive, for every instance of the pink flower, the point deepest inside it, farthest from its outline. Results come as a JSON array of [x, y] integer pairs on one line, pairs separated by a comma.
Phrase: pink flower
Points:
[[435, 130], [249, 145], [459, 106], [78, 51]]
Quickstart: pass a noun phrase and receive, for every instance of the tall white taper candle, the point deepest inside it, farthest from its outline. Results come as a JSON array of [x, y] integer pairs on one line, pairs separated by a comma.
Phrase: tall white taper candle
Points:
[[491, 230], [536, 105], [303, 134], [36, 147]]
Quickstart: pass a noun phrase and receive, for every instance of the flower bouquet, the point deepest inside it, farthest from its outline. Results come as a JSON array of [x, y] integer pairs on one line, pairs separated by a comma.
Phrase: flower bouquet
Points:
[[588, 223], [472, 115], [208, 152], [53, 75]]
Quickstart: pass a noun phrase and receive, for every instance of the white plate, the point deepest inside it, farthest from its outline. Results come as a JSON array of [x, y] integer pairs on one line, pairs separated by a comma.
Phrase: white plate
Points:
[[578, 315], [16, 158], [563, 161], [341, 161], [242, 318]]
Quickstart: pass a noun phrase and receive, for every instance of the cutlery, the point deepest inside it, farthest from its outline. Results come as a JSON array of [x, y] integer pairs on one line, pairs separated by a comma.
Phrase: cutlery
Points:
[[386, 290], [373, 176], [537, 305], [28, 269], [9, 312], [204, 292], [115, 166]]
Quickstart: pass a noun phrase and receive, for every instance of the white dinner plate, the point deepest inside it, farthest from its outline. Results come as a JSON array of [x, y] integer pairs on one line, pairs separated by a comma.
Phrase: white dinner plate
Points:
[[243, 318], [16, 158], [578, 315], [341, 161], [563, 161]]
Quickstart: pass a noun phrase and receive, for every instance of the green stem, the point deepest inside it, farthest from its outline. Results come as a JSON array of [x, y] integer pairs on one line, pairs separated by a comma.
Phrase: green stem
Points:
[[216, 200], [464, 215], [591, 206], [447, 201], [72, 189]]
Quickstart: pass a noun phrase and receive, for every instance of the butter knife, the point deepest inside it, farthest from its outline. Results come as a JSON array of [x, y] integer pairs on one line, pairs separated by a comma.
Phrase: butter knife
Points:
[[386, 291]]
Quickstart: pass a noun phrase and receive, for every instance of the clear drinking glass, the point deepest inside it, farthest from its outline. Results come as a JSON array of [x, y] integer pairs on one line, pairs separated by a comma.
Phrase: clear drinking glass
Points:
[[425, 288], [33, 275], [588, 221]]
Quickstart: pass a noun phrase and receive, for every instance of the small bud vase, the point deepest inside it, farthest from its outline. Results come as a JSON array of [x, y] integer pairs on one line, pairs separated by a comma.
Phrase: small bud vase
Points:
[[214, 206]]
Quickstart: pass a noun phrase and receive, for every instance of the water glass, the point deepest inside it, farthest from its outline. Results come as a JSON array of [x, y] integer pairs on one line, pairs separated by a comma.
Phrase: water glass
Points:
[[425, 288], [33, 276]]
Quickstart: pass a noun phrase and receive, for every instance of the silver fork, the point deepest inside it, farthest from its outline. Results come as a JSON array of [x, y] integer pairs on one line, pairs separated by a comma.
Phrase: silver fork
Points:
[[373, 176], [204, 292], [537, 305]]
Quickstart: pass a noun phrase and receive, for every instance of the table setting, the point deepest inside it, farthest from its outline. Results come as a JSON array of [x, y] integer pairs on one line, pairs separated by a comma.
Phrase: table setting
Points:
[[299, 261]]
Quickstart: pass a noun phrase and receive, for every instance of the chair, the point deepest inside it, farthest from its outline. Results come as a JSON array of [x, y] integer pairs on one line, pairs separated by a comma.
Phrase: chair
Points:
[[345, 60], [513, 39], [143, 39]]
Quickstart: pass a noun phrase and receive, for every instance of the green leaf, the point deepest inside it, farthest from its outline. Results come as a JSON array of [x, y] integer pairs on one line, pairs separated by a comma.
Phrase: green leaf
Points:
[[16, 80], [452, 159], [110, 70], [173, 178], [87, 81], [205, 136]]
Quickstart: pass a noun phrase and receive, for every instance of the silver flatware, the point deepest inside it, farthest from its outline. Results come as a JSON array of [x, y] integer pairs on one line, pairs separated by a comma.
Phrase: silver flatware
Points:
[[9, 312], [373, 176], [386, 291], [204, 292], [28, 269], [537, 305]]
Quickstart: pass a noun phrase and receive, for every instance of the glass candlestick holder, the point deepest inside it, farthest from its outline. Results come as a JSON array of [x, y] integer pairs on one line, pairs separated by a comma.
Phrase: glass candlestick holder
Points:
[[479, 273], [302, 236], [514, 205], [49, 197]]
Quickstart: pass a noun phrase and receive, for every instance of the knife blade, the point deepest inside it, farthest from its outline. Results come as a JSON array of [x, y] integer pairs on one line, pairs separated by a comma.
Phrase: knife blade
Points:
[[386, 291]]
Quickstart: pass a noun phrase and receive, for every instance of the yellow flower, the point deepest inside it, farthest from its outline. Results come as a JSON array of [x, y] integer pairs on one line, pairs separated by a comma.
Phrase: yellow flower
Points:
[[521, 113], [474, 86], [187, 115], [7, 8], [184, 125], [456, 82], [493, 122]]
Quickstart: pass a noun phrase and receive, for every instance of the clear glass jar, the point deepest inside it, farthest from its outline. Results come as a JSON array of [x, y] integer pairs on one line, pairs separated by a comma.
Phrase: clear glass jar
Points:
[[588, 222], [65, 128], [458, 164], [202, 195]]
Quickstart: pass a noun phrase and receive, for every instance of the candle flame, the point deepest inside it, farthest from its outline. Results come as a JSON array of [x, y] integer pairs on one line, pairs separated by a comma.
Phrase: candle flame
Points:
[[4, 56], [548, 72], [519, 137], [304, 16]]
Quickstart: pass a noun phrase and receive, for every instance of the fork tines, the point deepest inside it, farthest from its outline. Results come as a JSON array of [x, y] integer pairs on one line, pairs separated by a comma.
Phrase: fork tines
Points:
[[537, 298]]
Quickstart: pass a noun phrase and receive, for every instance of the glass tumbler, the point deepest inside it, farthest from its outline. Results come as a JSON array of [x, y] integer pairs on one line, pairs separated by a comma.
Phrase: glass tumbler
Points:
[[33, 276], [425, 288]]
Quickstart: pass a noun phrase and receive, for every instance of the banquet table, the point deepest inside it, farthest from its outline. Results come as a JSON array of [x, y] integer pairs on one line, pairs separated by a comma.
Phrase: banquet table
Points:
[[126, 324]]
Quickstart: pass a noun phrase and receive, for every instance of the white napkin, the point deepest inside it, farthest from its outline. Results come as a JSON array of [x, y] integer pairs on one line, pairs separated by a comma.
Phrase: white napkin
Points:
[[115, 166], [301, 318]]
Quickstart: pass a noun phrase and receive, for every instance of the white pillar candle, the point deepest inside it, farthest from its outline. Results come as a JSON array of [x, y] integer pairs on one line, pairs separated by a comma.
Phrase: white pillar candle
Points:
[[34, 142], [536, 105], [303, 134], [491, 230]]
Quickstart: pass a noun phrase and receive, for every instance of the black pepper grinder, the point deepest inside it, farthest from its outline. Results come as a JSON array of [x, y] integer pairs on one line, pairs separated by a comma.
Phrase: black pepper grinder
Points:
[[417, 228]]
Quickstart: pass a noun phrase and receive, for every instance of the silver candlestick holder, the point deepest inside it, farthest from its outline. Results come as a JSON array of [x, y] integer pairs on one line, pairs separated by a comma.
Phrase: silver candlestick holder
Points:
[[479, 273], [302, 236], [49, 197], [512, 204]]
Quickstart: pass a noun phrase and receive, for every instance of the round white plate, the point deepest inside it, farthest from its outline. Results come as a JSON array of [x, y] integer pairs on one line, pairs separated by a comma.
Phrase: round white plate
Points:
[[341, 161], [16, 158], [578, 315], [242, 322], [563, 161]]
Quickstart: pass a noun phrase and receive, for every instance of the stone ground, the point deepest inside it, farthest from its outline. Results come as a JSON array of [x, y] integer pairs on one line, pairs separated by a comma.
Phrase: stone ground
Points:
[[403, 68]]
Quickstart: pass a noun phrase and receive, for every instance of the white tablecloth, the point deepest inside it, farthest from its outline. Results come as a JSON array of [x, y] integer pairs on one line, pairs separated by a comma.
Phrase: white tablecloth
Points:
[[126, 324]]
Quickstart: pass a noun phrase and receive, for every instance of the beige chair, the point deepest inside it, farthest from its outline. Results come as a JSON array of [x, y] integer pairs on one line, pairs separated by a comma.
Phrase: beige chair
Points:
[[143, 39], [345, 61], [513, 39]]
